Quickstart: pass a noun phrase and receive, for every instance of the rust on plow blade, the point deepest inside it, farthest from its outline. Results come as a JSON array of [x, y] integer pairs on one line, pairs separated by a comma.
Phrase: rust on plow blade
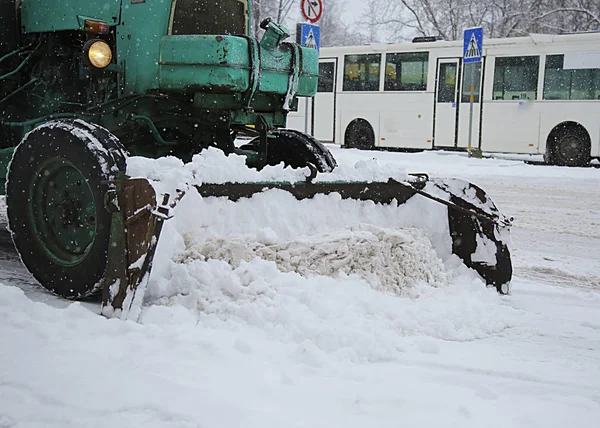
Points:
[[473, 220]]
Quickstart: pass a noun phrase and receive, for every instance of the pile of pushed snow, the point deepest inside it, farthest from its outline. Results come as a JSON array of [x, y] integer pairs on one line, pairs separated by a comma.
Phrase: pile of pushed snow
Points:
[[169, 174], [389, 260], [393, 247], [326, 276]]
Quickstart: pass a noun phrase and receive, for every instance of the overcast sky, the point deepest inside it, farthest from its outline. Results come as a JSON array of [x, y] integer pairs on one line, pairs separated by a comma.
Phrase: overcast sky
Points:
[[353, 9], [351, 12]]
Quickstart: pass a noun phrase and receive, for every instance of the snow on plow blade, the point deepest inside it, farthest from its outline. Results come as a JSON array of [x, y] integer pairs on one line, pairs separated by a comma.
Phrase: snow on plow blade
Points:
[[478, 231]]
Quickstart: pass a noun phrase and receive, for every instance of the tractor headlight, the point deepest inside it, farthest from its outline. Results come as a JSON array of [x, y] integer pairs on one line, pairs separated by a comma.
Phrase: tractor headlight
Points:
[[99, 53]]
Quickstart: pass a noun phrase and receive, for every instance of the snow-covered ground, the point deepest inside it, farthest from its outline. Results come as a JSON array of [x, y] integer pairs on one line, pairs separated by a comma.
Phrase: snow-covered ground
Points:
[[254, 344]]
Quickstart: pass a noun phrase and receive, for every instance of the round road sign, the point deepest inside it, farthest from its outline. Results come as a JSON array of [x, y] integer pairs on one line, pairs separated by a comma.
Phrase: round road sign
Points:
[[312, 10]]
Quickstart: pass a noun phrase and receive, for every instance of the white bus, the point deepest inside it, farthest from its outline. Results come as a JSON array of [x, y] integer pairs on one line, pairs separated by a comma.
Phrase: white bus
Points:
[[533, 95]]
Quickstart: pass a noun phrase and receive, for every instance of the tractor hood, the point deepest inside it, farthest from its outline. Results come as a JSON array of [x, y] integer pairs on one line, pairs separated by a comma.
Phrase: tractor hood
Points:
[[226, 64], [41, 16]]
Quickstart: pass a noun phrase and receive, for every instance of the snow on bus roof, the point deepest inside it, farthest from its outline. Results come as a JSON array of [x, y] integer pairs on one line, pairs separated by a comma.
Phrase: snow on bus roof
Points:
[[535, 38]]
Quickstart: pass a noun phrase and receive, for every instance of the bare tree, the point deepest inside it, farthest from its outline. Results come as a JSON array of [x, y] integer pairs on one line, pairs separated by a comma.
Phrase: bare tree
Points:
[[283, 9], [279, 10], [563, 16], [335, 31], [402, 19]]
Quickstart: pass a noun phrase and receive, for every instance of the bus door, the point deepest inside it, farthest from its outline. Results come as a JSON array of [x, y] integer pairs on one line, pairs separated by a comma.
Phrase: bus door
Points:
[[471, 76], [446, 106], [323, 109]]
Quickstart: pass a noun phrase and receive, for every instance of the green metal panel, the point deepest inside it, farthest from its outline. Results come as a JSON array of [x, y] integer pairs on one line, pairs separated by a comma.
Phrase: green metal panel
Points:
[[231, 51], [138, 43], [140, 50], [220, 72], [204, 63], [276, 66], [275, 70], [309, 72], [221, 64], [41, 15]]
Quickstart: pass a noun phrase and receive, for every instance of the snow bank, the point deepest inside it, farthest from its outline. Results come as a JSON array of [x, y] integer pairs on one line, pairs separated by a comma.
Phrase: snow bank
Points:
[[287, 355], [343, 316], [248, 344], [275, 218]]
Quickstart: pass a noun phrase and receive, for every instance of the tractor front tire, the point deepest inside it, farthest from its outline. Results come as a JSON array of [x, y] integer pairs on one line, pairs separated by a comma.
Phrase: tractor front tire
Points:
[[55, 189]]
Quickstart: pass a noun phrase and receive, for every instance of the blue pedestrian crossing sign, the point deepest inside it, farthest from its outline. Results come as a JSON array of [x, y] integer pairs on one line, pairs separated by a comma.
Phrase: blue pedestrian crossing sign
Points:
[[473, 45], [310, 35]]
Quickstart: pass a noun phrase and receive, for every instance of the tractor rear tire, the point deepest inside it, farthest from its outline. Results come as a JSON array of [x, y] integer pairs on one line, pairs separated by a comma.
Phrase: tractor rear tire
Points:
[[55, 191], [295, 149]]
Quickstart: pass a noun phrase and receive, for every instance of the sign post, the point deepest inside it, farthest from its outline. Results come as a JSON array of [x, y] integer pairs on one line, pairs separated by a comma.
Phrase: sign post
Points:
[[472, 52], [309, 35], [312, 10]]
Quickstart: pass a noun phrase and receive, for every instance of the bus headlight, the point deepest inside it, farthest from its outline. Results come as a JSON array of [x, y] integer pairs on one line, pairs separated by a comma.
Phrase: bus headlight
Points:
[[99, 53]]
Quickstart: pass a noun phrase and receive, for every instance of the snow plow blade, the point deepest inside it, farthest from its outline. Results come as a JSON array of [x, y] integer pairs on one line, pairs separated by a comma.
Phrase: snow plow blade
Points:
[[475, 225], [473, 219], [137, 221]]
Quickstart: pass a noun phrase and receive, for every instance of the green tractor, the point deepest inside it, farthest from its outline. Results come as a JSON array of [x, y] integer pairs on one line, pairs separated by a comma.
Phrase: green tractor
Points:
[[86, 83]]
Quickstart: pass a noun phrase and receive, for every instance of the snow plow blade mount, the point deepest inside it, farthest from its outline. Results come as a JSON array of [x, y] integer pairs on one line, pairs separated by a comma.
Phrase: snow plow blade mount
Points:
[[137, 222]]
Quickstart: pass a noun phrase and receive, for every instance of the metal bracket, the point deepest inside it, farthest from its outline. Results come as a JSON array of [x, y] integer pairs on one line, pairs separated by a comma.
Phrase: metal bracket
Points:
[[313, 172], [262, 126], [253, 47], [293, 77], [135, 229]]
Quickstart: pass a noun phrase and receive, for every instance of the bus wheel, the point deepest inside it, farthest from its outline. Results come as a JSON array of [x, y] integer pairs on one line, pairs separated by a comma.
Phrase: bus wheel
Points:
[[569, 146], [359, 135]]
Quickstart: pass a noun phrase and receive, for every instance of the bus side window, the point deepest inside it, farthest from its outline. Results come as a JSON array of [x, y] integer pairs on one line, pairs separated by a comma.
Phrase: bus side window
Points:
[[576, 81], [446, 91], [516, 77], [406, 71], [361, 72], [326, 77]]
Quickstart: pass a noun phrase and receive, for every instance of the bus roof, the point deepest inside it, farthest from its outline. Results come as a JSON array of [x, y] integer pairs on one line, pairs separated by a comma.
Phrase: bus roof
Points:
[[591, 38]]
